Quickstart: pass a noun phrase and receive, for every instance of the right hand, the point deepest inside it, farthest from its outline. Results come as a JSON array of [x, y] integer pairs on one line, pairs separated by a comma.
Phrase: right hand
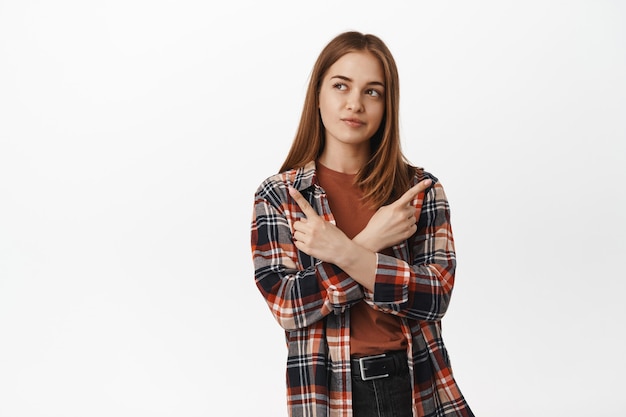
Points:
[[393, 223], [315, 236]]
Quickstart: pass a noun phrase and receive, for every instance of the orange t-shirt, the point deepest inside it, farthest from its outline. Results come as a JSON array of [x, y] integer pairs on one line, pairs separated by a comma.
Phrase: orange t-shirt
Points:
[[371, 331]]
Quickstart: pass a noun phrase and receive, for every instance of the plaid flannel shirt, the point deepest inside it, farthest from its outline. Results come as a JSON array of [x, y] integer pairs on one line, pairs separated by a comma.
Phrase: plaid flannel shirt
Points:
[[310, 299]]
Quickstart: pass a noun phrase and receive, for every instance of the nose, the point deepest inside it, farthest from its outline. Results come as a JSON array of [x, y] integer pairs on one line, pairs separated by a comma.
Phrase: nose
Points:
[[353, 101]]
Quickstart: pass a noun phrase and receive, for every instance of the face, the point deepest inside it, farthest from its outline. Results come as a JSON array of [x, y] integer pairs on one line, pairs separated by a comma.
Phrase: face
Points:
[[352, 99]]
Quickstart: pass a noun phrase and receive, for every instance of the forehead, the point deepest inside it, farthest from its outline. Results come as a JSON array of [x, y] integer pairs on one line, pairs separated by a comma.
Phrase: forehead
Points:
[[358, 66]]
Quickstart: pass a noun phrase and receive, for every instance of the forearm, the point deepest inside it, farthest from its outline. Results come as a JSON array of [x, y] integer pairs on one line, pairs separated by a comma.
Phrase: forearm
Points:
[[420, 287], [419, 291], [299, 298], [360, 263], [371, 243]]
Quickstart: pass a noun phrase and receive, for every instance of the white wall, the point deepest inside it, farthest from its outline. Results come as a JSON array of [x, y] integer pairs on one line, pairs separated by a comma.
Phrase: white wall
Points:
[[134, 133]]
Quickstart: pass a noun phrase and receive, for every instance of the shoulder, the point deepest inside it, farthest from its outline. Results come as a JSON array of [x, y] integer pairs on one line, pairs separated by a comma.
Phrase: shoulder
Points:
[[274, 187], [434, 193], [421, 174]]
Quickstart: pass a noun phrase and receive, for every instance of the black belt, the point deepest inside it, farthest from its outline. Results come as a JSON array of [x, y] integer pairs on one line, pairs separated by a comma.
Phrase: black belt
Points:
[[379, 366]]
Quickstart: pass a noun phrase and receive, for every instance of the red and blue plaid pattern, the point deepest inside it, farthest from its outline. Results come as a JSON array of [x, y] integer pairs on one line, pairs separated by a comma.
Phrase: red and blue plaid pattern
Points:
[[310, 299]]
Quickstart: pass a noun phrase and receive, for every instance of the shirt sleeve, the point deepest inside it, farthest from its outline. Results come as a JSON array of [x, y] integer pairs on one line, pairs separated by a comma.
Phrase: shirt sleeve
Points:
[[419, 289], [299, 290]]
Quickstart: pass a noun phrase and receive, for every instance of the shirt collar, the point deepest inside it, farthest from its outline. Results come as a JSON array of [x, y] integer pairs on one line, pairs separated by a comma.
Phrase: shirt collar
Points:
[[304, 177]]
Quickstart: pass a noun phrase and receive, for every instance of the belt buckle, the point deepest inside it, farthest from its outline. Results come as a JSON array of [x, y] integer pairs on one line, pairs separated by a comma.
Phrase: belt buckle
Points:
[[363, 368]]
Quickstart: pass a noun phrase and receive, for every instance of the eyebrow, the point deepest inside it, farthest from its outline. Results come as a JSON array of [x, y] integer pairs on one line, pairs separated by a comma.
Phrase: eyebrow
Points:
[[343, 77]]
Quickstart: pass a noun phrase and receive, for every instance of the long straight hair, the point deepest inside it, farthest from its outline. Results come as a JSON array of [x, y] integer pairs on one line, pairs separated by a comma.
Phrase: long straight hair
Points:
[[387, 174]]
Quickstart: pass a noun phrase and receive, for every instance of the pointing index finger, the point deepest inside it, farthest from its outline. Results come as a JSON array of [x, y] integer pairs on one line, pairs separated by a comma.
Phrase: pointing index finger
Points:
[[410, 195], [302, 203]]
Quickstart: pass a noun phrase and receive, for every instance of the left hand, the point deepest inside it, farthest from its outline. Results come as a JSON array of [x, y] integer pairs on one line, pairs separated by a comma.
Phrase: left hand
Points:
[[393, 223]]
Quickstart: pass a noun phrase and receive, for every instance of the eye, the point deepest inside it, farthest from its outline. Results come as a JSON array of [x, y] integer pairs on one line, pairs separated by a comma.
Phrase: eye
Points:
[[340, 86], [373, 93]]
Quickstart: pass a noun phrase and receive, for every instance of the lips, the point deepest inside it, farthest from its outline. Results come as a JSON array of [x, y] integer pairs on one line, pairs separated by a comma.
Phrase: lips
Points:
[[353, 122]]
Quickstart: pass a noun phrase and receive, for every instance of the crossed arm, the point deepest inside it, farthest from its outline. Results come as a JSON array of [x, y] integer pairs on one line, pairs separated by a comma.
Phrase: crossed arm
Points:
[[390, 225]]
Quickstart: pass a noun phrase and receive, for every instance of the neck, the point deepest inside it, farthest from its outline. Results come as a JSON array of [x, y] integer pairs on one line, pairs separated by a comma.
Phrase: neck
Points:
[[344, 160]]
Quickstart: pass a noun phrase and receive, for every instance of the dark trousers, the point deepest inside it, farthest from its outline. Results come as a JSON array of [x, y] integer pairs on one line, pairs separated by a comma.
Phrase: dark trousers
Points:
[[384, 397]]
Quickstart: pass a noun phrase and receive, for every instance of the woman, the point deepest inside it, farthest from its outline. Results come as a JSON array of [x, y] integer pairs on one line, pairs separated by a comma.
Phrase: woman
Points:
[[353, 250]]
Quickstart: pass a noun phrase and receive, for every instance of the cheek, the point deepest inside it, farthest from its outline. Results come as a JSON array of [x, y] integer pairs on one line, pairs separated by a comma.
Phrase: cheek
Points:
[[325, 108], [378, 114], [326, 102]]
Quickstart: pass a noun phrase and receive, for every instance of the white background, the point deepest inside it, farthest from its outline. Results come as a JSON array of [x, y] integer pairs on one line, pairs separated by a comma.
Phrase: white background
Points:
[[133, 135]]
